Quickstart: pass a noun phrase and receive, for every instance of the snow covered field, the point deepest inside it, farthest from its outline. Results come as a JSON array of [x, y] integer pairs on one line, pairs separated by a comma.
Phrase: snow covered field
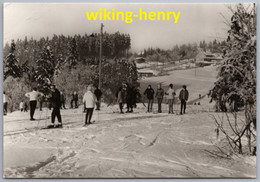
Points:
[[139, 144], [130, 145], [198, 81]]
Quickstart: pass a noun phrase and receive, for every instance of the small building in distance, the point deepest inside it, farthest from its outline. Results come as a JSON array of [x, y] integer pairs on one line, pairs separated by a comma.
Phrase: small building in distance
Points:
[[212, 58], [207, 58], [145, 73], [140, 60]]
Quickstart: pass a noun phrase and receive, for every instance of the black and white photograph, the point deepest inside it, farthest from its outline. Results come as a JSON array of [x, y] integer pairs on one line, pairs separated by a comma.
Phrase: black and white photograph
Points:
[[129, 90]]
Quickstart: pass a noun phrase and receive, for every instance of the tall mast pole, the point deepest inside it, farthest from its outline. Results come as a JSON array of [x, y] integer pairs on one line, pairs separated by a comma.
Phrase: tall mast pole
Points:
[[100, 55]]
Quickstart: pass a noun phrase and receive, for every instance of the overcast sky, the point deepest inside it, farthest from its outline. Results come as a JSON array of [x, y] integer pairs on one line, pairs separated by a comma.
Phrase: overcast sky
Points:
[[196, 22]]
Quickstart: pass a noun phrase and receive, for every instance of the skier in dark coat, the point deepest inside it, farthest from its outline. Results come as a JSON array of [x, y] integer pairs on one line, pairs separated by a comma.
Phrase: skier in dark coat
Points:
[[25, 106], [62, 100], [41, 100], [5, 101], [149, 92], [129, 98], [74, 98], [98, 94], [184, 95], [135, 96], [56, 104]]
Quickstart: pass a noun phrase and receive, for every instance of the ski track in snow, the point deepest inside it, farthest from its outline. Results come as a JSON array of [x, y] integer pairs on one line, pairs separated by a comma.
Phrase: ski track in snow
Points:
[[131, 145]]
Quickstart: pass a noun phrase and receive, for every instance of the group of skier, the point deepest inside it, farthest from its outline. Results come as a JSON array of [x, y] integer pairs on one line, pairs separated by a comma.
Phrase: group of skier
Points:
[[131, 96], [56, 100], [125, 95]]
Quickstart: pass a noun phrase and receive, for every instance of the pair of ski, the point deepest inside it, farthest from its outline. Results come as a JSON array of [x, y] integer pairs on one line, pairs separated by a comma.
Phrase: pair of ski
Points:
[[57, 127], [52, 127], [92, 122]]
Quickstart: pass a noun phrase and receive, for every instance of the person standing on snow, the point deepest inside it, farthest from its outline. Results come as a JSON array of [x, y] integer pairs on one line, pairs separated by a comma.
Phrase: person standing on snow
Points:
[[41, 100], [183, 96], [135, 96], [74, 98], [56, 104], [129, 98], [98, 94], [120, 99], [149, 92], [21, 105], [62, 100], [5, 103], [33, 101], [89, 100], [25, 106], [170, 96], [159, 94]]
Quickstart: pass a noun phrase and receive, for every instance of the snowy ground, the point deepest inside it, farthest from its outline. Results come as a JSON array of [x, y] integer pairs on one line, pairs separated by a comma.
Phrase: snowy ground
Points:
[[129, 145], [139, 144]]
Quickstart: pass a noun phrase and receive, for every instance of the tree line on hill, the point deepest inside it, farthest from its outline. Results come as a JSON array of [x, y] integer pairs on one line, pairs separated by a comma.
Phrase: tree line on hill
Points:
[[184, 51], [69, 62]]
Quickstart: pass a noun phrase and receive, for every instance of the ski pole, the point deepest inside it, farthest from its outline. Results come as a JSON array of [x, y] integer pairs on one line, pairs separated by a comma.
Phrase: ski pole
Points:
[[166, 105], [40, 115], [46, 117], [83, 114], [38, 123], [175, 106], [97, 115]]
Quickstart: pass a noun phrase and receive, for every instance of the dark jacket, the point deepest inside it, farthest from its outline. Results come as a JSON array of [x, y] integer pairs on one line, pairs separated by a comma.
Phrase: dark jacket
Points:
[[138, 96], [184, 95], [55, 99], [62, 98], [124, 95], [129, 94], [120, 97], [159, 93], [75, 97], [98, 93], [149, 92]]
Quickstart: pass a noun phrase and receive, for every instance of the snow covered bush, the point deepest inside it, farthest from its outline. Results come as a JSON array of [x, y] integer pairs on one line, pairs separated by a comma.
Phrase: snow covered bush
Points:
[[237, 75]]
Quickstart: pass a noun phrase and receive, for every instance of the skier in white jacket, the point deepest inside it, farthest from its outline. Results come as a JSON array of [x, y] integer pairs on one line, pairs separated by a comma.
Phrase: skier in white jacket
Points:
[[89, 100]]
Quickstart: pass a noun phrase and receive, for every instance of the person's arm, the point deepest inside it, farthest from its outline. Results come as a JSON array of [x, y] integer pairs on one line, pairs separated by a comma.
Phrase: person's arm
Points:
[[27, 95], [41, 94], [162, 92], [95, 98], [145, 92], [119, 96], [187, 95], [84, 98], [180, 95]]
